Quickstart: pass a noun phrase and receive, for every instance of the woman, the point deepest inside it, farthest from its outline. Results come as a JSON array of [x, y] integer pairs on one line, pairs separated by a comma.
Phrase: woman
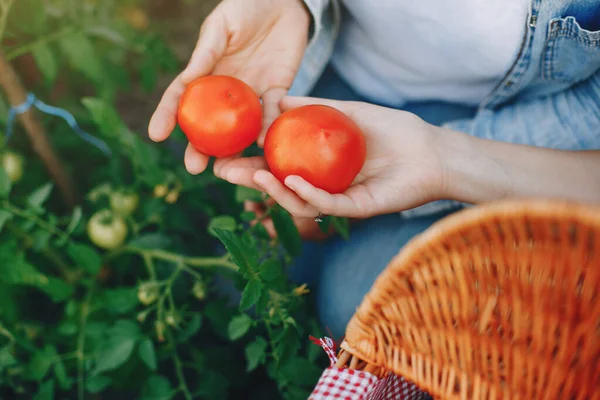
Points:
[[461, 101]]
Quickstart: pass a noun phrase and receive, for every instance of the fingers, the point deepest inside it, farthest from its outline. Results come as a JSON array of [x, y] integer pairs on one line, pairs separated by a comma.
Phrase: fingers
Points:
[[195, 162], [164, 119], [271, 111], [283, 196], [240, 171], [290, 102], [328, 204], [210, 47]]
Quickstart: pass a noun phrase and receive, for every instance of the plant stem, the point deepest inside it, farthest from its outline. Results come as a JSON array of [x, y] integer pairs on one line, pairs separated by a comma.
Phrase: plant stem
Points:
[[272, 343], [41, 144], [26, 48], [62, 267], [5, 6], [33, 218], [178, 367], [85, 310], [198, 262]]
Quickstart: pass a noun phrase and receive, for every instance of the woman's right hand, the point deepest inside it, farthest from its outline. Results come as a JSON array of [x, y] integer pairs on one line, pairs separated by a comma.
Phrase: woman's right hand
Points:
[[258, 41]]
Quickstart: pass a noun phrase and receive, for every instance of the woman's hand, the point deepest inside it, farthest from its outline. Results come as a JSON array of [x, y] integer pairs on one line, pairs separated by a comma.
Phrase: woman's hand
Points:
[[403, 167], [258, 41]]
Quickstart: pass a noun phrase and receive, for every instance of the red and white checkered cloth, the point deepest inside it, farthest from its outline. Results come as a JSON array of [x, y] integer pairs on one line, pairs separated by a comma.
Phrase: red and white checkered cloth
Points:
[[349, 384]]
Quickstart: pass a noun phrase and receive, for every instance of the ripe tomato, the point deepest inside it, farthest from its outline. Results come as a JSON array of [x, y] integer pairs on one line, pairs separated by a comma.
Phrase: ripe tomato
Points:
[[220, 115], [318, 143], [107, 230]]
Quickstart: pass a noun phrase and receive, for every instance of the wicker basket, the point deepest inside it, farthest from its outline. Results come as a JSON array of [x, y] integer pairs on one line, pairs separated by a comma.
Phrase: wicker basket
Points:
[[495, 302]]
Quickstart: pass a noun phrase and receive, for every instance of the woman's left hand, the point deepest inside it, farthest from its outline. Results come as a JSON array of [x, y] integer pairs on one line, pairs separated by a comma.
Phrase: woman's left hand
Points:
[[403, 168]]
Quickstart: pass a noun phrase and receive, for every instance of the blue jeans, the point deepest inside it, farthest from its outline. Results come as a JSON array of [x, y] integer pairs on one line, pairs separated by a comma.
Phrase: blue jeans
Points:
[[341, 272]]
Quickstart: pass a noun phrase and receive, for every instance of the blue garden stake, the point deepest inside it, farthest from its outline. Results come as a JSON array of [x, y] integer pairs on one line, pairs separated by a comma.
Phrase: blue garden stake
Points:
[[32, 101]]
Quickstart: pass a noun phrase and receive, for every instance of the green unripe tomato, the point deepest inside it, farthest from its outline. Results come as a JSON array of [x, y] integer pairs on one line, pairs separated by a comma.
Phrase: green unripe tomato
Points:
[[107, 230], [12, 163], [124, 202]]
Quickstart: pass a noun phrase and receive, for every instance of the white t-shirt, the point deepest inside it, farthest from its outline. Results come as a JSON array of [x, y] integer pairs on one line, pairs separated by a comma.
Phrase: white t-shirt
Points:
[[397, 51]]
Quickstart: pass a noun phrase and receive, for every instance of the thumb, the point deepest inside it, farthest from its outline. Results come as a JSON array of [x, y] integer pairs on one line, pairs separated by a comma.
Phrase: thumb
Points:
[[290, 102], [210, 47]]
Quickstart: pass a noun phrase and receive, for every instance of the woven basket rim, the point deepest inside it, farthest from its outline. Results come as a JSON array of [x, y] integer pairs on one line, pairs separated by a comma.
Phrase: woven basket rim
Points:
[[472, 216], [465, 218]]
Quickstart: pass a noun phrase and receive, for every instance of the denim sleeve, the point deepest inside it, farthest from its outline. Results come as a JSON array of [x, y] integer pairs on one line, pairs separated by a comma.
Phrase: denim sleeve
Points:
[[569, 120], [325, 25], [317, 9]]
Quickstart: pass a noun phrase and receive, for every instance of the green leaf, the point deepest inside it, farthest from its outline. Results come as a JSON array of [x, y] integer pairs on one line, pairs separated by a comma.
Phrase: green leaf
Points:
[[60, 373], [151, 241], [14, 270], [118, 346], [239, 326], [244, 256], [325, 224], [57, 289], [251, 294], [243, 193], [255, 353], [247, 216], [120, 301], [288, 344], [107, 33], [342, 226], [6, 358], [5, 216], [224, 222], [40, 363], [286, 230], [82, 56], [190, 328], [5, 184], [124, 330], [96, 384], [297, 393], [114, 355], [148, 160], [86, 257], [46, 391], [147, 354], [148, 74], [41, 239], [28, 16], [39, 196], [270, 270], [67, 328], [301, 371], [157, 387], [45, 61], [75, 220], [104, 116]]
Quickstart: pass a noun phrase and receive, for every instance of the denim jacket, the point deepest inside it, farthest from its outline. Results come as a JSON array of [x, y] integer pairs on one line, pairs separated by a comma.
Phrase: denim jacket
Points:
[[550, 97]]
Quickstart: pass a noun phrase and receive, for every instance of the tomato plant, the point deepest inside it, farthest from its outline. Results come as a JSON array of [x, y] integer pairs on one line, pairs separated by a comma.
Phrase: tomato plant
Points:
[[13, 165], [318, 143], [154, 285], [124, 202], [220, 115], [107, 230]]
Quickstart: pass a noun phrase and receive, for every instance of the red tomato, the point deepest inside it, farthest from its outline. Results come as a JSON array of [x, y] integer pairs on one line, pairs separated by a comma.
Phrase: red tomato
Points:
[[220, 115], [318, 143]]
